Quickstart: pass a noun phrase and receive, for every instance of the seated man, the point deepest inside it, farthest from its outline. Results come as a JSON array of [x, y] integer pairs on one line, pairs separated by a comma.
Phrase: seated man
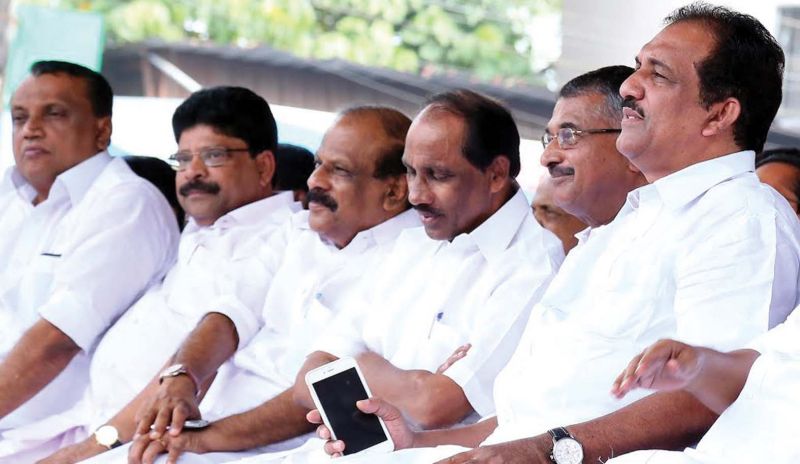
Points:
[[668, 265], [469, 277], [755, 390], [358, 206], [554, 218], [780, 168], [83, 237], [225, 137]]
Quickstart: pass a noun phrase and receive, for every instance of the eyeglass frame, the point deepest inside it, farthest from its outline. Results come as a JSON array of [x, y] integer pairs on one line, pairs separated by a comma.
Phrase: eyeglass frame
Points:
[[204, 154], [575, 134]]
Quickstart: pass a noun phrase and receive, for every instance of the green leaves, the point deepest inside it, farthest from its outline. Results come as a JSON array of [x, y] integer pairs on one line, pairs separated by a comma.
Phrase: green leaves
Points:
[[484, 37]]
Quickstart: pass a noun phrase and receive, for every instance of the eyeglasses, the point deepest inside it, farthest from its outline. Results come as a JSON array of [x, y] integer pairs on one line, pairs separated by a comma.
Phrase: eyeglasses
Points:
[[212, 157], [568, 137]]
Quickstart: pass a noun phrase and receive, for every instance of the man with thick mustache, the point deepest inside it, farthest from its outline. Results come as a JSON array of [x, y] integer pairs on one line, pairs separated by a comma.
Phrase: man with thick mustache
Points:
[[225, 137], [467, 278], [357, 207], [668, 265], [83, 237]]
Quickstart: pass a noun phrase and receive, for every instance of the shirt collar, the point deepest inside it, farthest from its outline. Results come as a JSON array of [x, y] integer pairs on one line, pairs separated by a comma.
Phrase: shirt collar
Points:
[[681, 188], [77, 180], [389, 229], [14, 182], [249, 213], [494, 235]]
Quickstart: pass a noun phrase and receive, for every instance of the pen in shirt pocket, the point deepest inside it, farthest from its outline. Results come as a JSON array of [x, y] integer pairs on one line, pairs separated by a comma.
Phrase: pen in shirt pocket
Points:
[[436, 319], [52, 255]]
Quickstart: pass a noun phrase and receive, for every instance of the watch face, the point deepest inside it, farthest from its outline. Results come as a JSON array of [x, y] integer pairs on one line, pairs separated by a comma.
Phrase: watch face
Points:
[[567, 451], [106, 435]]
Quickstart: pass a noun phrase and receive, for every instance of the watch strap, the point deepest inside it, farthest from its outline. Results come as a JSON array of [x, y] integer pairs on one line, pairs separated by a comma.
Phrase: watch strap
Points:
[[559, 433]]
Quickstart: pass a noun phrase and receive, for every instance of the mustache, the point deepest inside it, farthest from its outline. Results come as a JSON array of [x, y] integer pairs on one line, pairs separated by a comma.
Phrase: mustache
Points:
[[200, 186], [427, 209], [317, 195], [557, 170], [629, 102]]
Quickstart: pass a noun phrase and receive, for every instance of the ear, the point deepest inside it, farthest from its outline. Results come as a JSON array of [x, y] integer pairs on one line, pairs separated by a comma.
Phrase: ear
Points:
[[395, 196], [498, 173], [265, 166], [103, 137], [722, 116]]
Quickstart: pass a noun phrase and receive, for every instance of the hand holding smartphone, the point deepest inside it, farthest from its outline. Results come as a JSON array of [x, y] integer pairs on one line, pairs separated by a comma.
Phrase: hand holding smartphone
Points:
[[335, 389]]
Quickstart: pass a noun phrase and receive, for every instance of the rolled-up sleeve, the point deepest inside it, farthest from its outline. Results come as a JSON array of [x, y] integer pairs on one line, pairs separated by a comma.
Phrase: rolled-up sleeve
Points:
[[124, 243]]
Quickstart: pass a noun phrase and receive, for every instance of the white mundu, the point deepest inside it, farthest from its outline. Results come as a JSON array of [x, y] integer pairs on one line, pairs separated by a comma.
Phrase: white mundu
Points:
[[670, 265], [78, 260], [313, 283], [436, 295], [761, 425], [215, 272]]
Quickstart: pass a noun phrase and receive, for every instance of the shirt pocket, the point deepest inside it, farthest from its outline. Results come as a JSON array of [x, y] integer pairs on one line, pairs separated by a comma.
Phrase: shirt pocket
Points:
[[442, 341]]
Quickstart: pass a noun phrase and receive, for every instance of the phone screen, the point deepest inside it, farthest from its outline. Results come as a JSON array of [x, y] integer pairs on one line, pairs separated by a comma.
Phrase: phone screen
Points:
[[338, 395]]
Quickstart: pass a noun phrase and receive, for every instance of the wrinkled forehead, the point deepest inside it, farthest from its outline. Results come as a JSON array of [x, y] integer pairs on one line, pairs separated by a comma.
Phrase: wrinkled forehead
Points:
[[585, 111]]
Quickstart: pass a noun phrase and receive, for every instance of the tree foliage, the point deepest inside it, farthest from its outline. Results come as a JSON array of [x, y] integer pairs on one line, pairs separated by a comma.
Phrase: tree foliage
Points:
[[484, 37]]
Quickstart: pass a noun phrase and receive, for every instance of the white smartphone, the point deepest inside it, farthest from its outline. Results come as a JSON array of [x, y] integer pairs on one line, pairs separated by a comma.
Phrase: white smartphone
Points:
[[335, 388]]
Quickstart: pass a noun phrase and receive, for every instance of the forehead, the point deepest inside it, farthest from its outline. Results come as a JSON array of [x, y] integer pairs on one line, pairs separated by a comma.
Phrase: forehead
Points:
[[436, 136], [58, 88], [680, 46], [203, 135], [356, 141], [581, 112]]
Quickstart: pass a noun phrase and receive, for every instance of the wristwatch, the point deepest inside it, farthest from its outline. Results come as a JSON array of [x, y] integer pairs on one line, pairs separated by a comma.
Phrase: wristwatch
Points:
[[107, 436], [566, 449], [179, 369]]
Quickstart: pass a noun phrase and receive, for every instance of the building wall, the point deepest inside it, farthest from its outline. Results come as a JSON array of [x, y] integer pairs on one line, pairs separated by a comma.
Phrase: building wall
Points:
[[601, 33]]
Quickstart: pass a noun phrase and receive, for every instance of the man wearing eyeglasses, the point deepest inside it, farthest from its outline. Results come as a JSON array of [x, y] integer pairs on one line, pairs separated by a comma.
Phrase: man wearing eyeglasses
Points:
[[296, 281], [82, 237], [670, 264], [225, 137]]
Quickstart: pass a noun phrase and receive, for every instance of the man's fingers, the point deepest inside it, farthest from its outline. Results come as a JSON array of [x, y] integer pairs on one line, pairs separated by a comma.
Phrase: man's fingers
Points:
[[145, 422], [153, 450], [161, 422], [323, 432], [314, 417], [378, 407], [334, 448], [174, 453], [179, 416]]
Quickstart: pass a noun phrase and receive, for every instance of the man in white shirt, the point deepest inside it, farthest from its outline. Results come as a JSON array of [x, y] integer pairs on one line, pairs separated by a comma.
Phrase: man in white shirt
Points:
[[83, 238], [470, 276], [754, 389], [670, 263], [226, 137], [357, 208]]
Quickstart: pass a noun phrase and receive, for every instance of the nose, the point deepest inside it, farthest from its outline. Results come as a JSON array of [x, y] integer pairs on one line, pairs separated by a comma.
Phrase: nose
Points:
[[631, 87], [32, 127], [318, 179], [418, 191], [196, 168], [552, 154]]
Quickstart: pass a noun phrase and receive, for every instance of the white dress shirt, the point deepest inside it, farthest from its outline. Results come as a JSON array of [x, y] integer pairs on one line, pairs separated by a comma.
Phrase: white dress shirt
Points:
[[313, 283], [212, 261], [707, 255], [435, 296], [671, 264], [761, 425], [78, 260]]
